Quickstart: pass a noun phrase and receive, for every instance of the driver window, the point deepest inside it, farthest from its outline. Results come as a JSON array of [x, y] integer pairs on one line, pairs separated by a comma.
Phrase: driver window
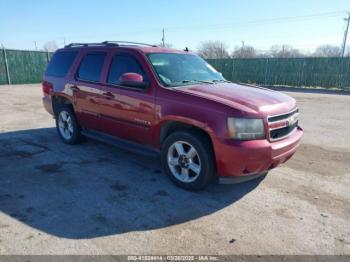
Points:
[[122, 64]]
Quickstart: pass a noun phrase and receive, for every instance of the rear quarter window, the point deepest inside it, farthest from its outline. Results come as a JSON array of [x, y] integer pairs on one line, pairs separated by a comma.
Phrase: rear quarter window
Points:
[[60, 63], [91, 66]]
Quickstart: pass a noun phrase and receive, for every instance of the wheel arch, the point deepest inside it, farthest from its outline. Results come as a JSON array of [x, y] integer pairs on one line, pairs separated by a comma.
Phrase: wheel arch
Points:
[[170, 126], [58, 99]]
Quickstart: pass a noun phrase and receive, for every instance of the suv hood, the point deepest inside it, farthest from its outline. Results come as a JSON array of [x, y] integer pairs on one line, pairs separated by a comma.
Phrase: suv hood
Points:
[[250, 99]]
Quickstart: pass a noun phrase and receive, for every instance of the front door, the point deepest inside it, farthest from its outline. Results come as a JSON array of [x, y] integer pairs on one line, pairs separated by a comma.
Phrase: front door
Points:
[[127, 112]]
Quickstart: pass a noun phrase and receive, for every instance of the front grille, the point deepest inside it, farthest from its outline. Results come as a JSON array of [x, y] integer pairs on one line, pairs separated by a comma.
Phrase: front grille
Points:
[[280, 126]]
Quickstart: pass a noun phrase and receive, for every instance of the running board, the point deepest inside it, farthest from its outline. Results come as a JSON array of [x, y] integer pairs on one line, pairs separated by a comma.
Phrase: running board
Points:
[[121, 143]]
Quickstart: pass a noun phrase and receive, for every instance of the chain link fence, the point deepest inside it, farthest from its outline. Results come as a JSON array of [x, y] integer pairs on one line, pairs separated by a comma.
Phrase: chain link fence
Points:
[[296, 72], [22, 67]]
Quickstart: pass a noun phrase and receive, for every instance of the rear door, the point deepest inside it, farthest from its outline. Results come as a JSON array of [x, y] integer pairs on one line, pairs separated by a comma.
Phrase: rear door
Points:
[[85, 86], [128, 112]]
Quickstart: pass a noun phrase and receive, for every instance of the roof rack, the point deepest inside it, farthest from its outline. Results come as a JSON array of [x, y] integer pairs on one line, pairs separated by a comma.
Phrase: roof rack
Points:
[[108, 43], [88, 44], [127, 43]]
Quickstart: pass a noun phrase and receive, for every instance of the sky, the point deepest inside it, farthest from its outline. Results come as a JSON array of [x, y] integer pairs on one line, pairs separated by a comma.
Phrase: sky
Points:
[[304, 24]]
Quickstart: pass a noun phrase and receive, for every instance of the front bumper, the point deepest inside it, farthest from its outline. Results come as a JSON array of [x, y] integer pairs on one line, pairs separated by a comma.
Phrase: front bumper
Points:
[[240, 179], [251, 158]]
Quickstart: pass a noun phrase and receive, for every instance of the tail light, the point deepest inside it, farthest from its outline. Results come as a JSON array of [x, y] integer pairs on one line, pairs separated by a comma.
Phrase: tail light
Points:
[[47, 88]]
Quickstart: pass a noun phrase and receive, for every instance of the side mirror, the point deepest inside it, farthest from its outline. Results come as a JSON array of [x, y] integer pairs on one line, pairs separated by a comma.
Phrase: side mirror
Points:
[[132, 80]]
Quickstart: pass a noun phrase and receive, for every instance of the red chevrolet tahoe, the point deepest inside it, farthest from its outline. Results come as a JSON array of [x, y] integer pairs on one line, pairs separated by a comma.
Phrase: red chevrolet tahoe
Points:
[[172, 102]]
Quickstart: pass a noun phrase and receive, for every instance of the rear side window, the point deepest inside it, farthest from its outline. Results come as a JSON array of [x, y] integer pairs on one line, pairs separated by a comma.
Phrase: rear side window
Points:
[[122, 64], [60, 63], [90, 68]]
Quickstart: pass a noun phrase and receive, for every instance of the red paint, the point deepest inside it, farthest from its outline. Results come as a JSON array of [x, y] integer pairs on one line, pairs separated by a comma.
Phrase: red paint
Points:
[[47, 88], [139, 115], [131, 77]]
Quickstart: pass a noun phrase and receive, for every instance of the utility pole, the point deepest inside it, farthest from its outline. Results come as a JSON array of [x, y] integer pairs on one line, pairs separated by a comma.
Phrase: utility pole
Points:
[[6, 65], [345, 34], [36, 47], [163, 38]]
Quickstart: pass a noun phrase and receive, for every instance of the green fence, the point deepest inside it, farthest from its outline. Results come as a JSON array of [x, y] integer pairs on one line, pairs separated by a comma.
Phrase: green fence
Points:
[[22, 67], [307, 72]]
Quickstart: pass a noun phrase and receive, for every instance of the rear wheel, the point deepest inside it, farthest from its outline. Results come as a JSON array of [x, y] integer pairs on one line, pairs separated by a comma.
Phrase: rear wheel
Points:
[[67, 125], [188, 159]]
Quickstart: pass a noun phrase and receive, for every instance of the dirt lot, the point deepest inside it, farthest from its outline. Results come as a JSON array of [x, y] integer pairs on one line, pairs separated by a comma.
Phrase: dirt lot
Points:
[[96, 199]]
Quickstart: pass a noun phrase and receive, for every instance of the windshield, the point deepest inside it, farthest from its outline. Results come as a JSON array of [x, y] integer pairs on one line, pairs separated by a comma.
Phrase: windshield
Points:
[[183, 69]]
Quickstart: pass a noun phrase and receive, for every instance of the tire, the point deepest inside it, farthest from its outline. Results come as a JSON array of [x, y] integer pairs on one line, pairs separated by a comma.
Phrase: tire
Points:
[[67, 125], [191, 170]]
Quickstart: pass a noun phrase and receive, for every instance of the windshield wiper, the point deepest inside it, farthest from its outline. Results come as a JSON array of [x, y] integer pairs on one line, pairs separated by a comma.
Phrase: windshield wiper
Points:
[[179, 84], [196, 81], [221, 81]]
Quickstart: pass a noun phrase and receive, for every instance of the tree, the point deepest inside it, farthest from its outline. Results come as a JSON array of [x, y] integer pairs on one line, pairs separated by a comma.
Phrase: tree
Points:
[[213, 49], [327, 51], [244, 52], [166, 45], [50, 46], [284, 51]]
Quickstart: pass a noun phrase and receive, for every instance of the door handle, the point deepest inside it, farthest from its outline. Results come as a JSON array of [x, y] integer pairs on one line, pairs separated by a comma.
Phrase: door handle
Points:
[[108, 95], [74, 88]]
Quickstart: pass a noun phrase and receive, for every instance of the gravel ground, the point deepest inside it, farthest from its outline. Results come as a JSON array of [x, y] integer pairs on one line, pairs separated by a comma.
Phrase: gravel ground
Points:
[[96, 199]]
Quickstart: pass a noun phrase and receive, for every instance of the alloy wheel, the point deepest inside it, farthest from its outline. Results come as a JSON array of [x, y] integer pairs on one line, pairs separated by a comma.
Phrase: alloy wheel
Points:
[[65, 125], [184, 161]]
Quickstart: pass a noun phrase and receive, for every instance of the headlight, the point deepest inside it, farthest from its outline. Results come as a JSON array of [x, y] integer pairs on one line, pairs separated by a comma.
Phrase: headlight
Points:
[[245, 128]]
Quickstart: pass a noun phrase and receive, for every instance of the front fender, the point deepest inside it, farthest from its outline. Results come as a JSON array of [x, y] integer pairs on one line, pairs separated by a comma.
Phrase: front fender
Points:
[[209, 126]]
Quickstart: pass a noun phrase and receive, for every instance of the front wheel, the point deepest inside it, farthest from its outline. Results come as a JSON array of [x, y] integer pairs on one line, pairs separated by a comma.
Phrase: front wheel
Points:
[[188, 159], [67, 125]]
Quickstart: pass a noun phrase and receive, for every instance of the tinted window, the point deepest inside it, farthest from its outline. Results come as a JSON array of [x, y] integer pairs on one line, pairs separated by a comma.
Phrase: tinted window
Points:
[[122, 64], [61, 63], [91, 67]]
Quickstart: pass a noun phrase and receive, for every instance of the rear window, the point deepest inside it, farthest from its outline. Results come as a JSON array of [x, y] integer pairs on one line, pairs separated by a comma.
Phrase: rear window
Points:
[[90, 68], [60, 63]]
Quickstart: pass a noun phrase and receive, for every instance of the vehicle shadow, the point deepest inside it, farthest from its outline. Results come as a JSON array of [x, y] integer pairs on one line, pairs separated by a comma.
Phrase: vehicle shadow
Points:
[[92, 189]]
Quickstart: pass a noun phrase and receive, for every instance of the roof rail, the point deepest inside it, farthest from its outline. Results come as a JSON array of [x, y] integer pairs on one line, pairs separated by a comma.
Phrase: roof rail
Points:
[[106, 43], [127, 42], [89, 44]]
